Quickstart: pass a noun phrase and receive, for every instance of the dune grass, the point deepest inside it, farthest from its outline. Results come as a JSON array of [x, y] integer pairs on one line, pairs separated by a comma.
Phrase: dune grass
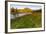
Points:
[[27, 21]]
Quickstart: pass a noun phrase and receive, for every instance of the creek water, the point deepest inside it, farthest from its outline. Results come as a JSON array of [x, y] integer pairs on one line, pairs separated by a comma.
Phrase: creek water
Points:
[[18, 15]]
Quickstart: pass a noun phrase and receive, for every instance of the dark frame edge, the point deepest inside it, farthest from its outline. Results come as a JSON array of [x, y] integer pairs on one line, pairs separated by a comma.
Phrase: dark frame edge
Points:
[[27, 2], [44, 16], [6, 30]]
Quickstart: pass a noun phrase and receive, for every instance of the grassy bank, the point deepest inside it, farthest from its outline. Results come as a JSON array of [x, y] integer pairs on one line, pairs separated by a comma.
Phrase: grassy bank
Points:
[[28, 21]]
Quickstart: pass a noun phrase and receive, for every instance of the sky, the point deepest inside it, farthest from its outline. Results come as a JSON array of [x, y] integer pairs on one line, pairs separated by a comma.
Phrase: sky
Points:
[[33, 7]]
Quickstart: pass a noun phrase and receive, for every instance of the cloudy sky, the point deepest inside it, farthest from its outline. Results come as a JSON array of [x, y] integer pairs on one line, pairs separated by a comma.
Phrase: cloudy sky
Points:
[[33, 7]]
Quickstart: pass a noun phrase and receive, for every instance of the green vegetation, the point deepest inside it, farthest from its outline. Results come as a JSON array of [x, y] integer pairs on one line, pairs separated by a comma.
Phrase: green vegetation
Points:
[[15, 11], [28, 21]]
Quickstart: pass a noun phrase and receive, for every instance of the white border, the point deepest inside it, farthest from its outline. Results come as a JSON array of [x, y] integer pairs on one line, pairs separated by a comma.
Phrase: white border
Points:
[[26, 29]]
